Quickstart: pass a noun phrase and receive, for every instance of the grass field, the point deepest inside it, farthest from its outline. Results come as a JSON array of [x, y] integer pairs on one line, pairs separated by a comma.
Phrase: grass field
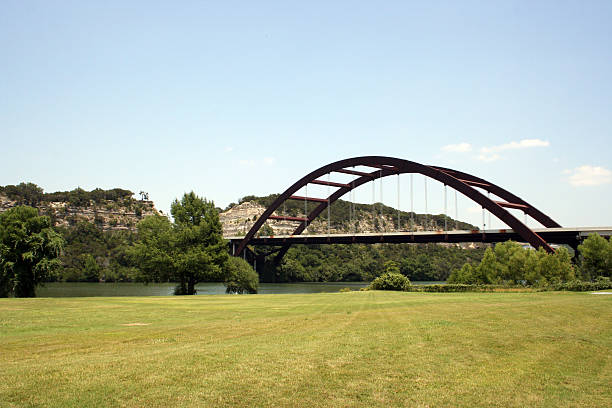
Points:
[[318, 350]]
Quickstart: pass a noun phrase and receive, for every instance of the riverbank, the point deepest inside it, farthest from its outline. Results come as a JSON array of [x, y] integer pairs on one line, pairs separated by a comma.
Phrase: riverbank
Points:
[[322, 350], [95, 289]]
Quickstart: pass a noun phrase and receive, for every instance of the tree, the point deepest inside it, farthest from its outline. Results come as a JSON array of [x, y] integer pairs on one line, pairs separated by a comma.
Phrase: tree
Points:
[[24, 193], [188, 251], [241, 277], [391, 267], [29, 248], [596, 253]]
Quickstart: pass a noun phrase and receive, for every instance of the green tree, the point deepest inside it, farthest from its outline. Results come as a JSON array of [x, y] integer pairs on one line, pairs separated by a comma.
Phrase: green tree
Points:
[[596, 254], [391, 267], [189, 251], [241, 277], [28, 251]]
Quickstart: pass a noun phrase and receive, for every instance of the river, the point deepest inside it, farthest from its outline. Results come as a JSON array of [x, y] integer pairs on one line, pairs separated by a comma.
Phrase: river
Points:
[[85, 289]]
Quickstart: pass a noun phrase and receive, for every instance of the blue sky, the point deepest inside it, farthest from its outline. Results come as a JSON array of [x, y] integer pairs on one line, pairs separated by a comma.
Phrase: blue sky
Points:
[[236, 98]]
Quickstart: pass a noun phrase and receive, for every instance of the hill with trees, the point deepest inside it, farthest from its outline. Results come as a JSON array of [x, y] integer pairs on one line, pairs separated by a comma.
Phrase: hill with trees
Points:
[[114, 209]]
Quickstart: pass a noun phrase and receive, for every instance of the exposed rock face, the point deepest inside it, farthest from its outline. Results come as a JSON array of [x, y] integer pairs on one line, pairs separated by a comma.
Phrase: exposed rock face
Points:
[[109, 215], [5, 203], [238, 220]]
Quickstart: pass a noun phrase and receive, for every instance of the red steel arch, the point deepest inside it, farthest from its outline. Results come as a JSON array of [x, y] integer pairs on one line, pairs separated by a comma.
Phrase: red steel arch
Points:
[[387, 166]]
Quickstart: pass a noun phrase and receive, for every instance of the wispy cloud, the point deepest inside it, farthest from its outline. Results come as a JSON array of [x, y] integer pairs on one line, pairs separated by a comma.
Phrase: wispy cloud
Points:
[[229, 149], [490, 153], [521, 144], [488, 157], [457, 148], [589, 176], [269, 161]]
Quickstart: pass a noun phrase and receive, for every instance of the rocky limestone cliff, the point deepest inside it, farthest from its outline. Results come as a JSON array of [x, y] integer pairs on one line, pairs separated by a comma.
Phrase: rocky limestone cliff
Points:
[[109, 215], [238, 220]]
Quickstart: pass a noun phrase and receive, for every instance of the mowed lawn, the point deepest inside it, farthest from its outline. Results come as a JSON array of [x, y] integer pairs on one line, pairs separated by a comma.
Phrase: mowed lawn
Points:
[[360, 349]]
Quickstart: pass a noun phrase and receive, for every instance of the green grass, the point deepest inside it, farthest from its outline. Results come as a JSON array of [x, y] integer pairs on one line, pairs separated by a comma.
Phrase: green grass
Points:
[[319, 350]]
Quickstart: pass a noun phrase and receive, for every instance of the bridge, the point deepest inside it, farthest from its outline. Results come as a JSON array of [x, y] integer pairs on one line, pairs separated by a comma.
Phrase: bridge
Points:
[[377, 167], [563, 236]]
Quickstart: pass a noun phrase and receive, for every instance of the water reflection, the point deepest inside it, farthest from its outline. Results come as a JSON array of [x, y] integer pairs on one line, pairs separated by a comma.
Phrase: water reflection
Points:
[[85, 289]]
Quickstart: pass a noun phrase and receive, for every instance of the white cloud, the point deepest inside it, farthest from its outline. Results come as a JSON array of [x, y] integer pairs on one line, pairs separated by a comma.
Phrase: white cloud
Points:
[[488, 157], [460, 147], [247, 163], [589, 176], [229, 149], [269, 161], [522, 144]]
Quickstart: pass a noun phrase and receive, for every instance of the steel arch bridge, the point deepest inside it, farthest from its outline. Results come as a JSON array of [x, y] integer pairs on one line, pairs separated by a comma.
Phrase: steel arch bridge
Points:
[[466, 184]]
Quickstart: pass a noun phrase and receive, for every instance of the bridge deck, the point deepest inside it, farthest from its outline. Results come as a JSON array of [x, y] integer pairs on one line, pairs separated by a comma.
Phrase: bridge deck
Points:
[[568, 236]]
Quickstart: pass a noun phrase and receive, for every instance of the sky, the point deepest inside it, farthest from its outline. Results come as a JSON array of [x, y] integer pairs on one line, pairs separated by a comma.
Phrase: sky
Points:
[[235, 98]]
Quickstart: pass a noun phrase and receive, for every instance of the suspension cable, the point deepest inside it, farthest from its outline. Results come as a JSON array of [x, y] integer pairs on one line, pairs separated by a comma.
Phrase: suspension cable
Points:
[[328, 208], [411, 202], [484, 226], [352, 207], [382, 215], [373, 201], [456, 213], [489, 212], [445, 209], [426, 218], [306, 208], [398, 203]]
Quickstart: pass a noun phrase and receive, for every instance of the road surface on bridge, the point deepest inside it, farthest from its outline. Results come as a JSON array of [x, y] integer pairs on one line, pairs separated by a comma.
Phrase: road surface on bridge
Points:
[[569, 236]]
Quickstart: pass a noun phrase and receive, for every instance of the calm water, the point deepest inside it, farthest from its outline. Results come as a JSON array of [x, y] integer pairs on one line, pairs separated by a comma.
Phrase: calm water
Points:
[[82, 289]]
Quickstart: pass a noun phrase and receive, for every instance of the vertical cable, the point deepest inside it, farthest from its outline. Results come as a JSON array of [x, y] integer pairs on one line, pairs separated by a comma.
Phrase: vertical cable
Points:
[[306, 208], [411, 202], [445, 209], [456, 213], [382, 215], [350, 206], [373, 201], [489, 212], [328, 208], [425, 179], [398, 203], [484, 226]]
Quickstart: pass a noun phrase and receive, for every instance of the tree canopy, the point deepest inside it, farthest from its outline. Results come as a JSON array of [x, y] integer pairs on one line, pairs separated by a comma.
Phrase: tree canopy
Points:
[[596, 254], [509, 263], [188, 251], [29, 248]]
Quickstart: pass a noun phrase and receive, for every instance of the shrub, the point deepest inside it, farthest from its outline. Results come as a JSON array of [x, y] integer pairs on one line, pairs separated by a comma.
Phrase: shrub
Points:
[[581, 286], [390, 281], [241, 277]]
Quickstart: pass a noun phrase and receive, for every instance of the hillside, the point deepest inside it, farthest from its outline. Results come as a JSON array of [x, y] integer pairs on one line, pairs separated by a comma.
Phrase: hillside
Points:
[[237, 219], [114, 209]]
